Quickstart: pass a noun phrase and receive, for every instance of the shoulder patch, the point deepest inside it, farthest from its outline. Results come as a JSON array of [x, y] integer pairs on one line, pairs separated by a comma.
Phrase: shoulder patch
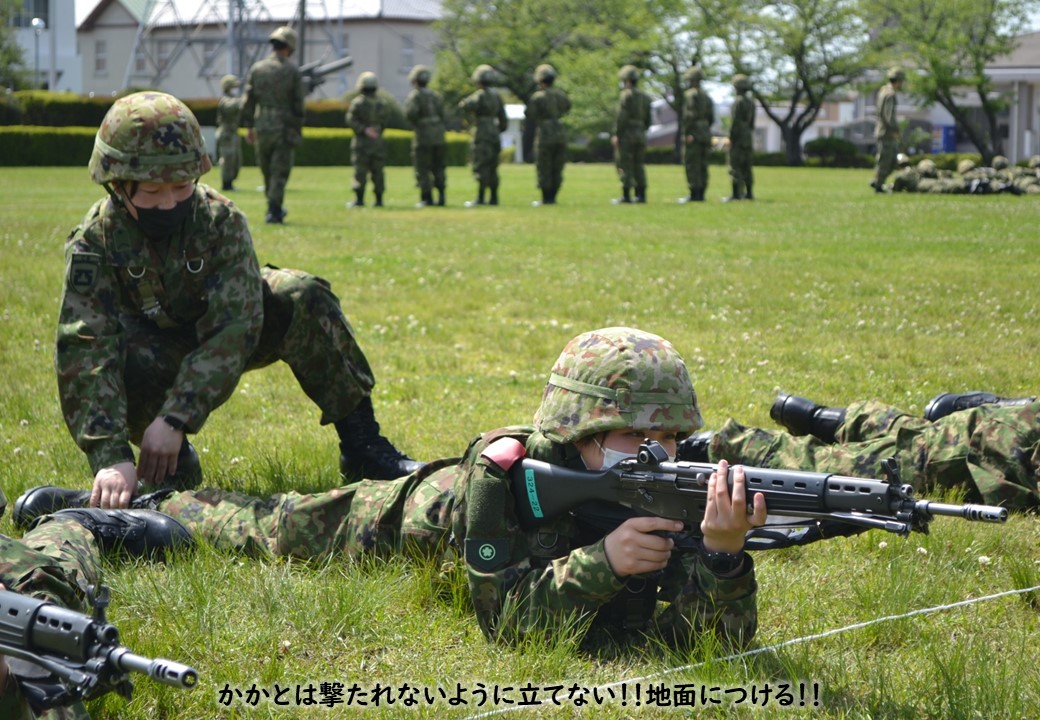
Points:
[[487, 554], [83, 271], [504, 452]]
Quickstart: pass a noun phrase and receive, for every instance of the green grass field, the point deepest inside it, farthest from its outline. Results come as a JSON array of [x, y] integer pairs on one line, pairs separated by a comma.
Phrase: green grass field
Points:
[[818, 288]]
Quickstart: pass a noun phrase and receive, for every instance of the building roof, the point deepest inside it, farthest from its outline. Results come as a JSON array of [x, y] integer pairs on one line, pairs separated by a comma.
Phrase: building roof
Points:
[[1026, 55], [195, 12]]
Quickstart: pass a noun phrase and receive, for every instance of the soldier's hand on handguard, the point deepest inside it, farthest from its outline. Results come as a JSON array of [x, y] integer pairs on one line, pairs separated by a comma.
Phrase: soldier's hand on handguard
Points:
[[726, 519], [114, 486], [632, 549], [160, 445]]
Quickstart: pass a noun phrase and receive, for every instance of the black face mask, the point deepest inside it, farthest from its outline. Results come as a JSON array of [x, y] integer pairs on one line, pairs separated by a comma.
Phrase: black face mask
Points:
[[158, 224]]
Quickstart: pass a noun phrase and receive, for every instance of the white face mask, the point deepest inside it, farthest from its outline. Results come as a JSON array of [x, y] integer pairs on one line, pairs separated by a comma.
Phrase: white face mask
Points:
[[611, 457]]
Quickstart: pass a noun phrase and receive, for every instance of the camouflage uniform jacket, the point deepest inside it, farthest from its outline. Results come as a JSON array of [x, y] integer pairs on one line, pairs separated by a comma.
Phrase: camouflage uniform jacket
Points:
[[488, 113], [425, 111], [208, 279], [526, 581], [274, 96], [886, 127], [742, 121], [633, 116], [544, 110], [229, 116], [366, 111], [698, 115]]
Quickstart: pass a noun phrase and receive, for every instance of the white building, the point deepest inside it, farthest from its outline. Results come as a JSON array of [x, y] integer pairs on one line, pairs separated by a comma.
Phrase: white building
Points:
[[50, 53]]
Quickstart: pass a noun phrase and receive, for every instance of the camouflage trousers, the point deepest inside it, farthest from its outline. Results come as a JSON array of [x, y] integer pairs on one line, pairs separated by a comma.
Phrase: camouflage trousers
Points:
[[229, 149], [303, 327], [990, 452], [549, 159], [369, 157], [409, 515], [429, 162], [275, 157], [630, 161], [740, 158], [55, 561], [886, 160], [695, 158], [485, 161]]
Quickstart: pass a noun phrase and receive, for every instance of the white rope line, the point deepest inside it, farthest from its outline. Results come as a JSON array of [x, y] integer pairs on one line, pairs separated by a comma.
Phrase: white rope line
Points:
[[786, 643]]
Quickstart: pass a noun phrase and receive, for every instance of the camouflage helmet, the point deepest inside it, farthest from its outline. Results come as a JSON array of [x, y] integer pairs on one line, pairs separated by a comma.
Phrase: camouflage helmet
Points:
[[896, 73], [544, 73], [367, 81], [615, 378], [629, 73], [693, 74], [902, 159], [484, 74], [285, 35], [927, 167], [148, 137], [420, 75], [999, 163], [965, 166], [1034, 162], [741, 82], [229, 82]]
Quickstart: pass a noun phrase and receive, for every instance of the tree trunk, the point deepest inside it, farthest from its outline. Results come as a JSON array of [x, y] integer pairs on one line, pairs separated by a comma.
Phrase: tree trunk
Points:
[[793, 145]]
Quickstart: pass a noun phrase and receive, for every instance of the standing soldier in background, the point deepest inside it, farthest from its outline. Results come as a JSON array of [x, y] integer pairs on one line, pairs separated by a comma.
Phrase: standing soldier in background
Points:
[[425, 111], [366, 117], [229, 144], [273, 112], [629, 138], [698, 117], [741, 146], [484, 108], [544, 110], [886, 129]]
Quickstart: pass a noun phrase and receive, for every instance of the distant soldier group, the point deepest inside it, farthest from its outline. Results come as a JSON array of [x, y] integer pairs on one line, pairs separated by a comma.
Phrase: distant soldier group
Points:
[[999, 177]]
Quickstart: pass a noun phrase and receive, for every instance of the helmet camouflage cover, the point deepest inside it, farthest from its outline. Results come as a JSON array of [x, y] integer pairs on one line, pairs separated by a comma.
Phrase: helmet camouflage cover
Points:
[[229, 81], [629, 72], [367, 81], [927, 167], [420, 75], [896, 73], [693, 74], [741, 82], [999, 163], [285, 35], [484, 74], [615, 378], [544, 72], [902, 159], [148, 137], [965, 165]]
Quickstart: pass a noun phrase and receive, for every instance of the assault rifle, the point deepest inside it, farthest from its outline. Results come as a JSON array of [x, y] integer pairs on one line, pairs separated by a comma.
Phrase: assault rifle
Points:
[[314, 72], [60, 656], [803, 506]]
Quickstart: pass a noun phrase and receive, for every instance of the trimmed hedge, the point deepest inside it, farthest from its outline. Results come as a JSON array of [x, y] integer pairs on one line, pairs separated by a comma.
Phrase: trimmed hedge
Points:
[[70, 146]]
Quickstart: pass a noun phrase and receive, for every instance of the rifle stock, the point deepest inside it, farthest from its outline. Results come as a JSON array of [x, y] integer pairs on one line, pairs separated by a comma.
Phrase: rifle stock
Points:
[[650, 483], [81, 652]]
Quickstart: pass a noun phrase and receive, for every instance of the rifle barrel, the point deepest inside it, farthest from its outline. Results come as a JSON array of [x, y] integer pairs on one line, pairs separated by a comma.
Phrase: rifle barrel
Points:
[[970, 511]]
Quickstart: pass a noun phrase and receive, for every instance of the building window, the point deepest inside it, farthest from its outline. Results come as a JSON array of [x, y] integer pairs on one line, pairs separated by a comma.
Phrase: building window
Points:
[[140, 61], [407, 54], [164, 49], [100, 58], [28, 10]]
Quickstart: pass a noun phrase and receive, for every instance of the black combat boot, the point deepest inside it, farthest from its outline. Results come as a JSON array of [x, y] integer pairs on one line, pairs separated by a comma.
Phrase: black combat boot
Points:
[[425, 198], [379, 199], [365, 453], [481, 193], [736, 193], [748, 195], [695, 447], [275, 214], [47, 499], [946, 403], [440, 197], [227, 187], [802, 416], [359, 198], [136, 533], [552, 196], [641, 194], [493, 200], [626, 196]]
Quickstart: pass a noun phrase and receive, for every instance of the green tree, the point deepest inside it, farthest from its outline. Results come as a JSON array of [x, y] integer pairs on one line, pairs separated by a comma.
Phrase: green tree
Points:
[[947, 45], [12, 63], [586, 40], [798, 54]]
